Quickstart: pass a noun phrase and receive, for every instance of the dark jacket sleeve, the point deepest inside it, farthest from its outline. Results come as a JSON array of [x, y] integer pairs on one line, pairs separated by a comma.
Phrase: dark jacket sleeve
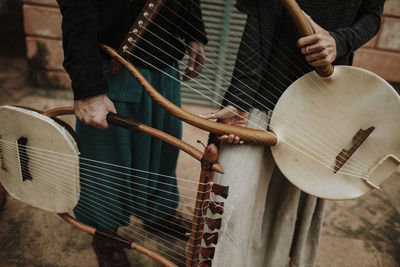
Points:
[[366, 25], [254, 53], [82, 57], [247, 74], [193, 25]]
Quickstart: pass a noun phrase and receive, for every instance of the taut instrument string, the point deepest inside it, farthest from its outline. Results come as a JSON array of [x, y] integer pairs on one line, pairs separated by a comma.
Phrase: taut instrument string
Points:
[[289, 52], [353, 163], [53, 168], [262, 128], [311, 147], [100, 199], [50, 169], [362, 166]]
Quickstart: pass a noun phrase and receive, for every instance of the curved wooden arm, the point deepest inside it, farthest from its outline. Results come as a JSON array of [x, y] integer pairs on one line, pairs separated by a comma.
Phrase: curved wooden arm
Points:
[[305, 29], [134, 125], [92, 231], [245, 134], [59, 112]]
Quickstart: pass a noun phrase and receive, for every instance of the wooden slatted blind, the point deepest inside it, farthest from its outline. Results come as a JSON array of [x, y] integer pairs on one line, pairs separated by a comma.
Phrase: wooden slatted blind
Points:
[[221, 19]]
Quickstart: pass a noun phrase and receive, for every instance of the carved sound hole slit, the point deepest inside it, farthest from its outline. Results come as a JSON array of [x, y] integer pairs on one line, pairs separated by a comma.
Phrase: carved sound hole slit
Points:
[[345, 155], [2, 162], [23, 159]]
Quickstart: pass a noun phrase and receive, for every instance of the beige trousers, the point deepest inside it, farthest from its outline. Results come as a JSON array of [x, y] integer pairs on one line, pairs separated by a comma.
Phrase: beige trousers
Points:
[[266, 219]]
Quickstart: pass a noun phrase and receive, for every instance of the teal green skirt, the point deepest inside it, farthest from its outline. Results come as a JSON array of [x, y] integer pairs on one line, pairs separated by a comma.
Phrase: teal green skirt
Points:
[[119, 168]]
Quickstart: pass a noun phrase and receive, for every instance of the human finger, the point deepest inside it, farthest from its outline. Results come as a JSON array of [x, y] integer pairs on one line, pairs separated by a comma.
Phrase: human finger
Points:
[[222, 137], [189, 71], [310, 49], [226, 112], [316, 56], [307, 40], [208, 116], [236, 140], [320, 62], [230, 138], [200, 61]]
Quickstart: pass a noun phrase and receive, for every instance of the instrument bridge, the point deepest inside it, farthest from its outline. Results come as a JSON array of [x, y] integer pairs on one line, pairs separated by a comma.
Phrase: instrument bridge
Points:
[[23, 159]]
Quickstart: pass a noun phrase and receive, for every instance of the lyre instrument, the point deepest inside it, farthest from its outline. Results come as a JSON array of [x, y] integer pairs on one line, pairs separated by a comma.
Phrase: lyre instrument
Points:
[[352, 110], [359, 126], [24, 172], [351, 90], [26, 176]]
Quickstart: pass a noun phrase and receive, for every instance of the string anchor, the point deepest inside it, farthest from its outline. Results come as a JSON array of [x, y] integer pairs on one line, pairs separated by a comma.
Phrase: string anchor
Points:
[[200, 142], [365, 179]]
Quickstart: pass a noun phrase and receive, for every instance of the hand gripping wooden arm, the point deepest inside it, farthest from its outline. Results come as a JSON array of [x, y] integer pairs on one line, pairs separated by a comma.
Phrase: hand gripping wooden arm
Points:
[[305, 29], [245, 134], [134, 125]]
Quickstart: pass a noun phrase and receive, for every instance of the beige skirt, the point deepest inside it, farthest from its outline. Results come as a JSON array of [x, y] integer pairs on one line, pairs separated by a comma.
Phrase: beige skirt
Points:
[[266, 219]]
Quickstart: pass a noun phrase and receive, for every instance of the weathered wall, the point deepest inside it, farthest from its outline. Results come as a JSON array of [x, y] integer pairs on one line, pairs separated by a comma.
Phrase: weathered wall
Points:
[[42, 26], [382, 54]]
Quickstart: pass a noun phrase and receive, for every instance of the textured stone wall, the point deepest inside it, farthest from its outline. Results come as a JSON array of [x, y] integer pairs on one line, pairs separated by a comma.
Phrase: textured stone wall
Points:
[[44, 52], [382, 54], [42, 24]]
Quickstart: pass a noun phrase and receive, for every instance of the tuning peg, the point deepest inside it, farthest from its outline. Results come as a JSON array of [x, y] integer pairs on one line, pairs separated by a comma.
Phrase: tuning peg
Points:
[[216, 207], [220, 190], [214, 223], [205, 264], [210, 238], [207, 253]]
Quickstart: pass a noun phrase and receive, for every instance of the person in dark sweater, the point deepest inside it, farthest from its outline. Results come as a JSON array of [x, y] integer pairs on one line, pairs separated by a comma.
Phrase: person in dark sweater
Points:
[[111, 194], [274, 220]]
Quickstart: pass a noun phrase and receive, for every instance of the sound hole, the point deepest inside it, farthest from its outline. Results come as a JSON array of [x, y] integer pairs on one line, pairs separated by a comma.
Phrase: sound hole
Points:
[[345, 155], [23, 159], [3, 165]]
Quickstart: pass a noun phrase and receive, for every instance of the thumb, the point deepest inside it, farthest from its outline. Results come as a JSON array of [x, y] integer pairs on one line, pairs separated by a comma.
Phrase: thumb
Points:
[[314, 25]]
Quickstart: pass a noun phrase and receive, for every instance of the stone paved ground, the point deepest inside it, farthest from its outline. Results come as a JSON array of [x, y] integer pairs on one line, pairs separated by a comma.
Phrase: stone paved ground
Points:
[[361, 232]]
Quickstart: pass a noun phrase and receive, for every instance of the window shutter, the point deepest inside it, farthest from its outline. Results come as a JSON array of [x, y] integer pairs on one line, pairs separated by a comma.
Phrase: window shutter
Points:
[[224, 27]]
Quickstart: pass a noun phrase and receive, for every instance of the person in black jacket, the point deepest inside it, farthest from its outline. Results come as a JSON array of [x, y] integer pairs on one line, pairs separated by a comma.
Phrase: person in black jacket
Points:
[[111, 194], [271, 220]]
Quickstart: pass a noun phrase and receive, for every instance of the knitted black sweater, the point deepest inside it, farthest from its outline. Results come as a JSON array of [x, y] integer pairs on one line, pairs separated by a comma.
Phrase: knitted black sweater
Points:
[[86, 23], [269, 60]]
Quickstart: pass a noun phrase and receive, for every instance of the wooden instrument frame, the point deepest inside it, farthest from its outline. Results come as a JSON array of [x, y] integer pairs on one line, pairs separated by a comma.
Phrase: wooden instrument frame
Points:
[[210, 156], [245, 134]]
